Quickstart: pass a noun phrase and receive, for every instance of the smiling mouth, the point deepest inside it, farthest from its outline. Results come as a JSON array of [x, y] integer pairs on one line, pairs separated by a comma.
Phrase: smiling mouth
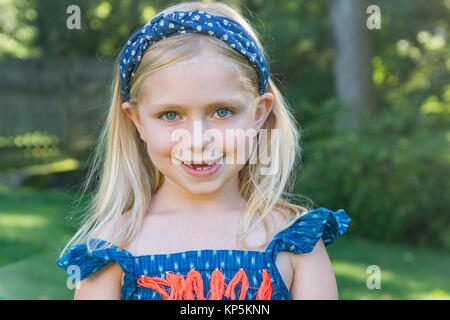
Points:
[[199, 167], [204, 165]]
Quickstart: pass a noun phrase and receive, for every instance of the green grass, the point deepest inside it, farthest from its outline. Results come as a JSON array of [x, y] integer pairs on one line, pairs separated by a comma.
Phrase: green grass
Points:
[[34, 227], [406, 272], [32, 222]]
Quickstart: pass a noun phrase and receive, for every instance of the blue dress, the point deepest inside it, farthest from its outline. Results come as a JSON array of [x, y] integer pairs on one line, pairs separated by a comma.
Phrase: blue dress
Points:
[[214, 274]]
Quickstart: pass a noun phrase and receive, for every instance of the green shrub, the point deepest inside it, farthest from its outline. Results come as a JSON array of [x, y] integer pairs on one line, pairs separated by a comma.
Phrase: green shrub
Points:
[[392, 177]]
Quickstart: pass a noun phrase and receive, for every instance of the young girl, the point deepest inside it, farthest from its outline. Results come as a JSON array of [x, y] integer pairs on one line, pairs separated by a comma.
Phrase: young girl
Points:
[[203, 218]]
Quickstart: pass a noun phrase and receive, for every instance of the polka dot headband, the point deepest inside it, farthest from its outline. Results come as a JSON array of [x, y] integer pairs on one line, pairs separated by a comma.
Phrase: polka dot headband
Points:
[[179, 22]]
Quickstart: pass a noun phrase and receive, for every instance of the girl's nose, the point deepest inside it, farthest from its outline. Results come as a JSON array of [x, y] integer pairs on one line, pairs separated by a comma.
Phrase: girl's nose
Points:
[[200, 140]]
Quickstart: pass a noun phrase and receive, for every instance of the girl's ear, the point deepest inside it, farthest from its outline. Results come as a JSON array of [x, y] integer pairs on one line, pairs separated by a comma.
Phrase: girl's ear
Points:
[[132, 113], [263, 108]]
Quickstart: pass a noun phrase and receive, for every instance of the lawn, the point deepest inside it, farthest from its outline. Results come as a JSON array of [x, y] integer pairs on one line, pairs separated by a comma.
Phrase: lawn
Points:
[[406, 272], [34, 227]]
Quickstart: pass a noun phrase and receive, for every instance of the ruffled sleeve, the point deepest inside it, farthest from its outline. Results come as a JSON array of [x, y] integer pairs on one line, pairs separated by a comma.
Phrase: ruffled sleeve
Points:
[[302, 236], [79, 258]]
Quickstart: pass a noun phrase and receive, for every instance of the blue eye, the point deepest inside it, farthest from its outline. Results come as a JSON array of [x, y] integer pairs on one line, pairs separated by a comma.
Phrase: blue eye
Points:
[[169, 116], [223, 113]]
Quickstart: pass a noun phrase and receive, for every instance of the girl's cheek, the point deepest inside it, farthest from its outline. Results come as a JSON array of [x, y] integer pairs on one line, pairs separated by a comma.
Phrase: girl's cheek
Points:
[[238, 140], [163, 146], [159, 141]]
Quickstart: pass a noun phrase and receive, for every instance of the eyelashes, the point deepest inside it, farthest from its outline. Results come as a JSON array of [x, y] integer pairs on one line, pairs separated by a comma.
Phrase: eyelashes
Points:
[[163, 115], [223, 113]]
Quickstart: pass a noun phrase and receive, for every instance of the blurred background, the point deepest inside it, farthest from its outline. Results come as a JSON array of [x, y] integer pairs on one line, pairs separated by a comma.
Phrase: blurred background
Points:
[[369, 86]]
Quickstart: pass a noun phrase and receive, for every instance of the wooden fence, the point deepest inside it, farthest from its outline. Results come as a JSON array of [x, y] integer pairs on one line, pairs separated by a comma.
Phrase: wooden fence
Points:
[[51, 108]]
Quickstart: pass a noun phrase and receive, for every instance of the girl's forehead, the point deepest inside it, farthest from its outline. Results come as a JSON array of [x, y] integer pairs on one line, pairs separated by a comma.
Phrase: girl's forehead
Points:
[[199, 79], [203, 58], [205, 66]]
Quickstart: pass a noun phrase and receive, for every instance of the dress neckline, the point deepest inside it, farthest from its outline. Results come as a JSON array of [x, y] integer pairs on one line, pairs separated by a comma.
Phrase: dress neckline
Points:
[[207, 251], [202, 251]]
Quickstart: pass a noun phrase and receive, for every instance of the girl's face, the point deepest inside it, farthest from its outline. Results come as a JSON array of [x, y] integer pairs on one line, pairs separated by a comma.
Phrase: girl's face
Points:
[[180, 105]]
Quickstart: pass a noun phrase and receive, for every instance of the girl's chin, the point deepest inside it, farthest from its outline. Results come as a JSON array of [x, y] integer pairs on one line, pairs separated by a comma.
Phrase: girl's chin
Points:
[[203, 188], [203, 185]]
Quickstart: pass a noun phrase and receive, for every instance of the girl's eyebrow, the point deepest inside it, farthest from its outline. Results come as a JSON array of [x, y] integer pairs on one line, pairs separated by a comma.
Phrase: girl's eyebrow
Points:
[[225, 102]]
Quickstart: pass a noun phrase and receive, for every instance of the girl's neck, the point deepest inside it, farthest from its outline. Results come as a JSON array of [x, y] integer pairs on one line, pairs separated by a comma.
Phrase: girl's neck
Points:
[[172, 197]]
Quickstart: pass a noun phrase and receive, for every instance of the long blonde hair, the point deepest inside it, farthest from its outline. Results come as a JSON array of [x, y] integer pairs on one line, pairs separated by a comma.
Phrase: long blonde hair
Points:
[[125, 172]]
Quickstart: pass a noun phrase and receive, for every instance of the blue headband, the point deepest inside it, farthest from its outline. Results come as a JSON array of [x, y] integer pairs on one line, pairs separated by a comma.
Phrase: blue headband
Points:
[[179, 22]]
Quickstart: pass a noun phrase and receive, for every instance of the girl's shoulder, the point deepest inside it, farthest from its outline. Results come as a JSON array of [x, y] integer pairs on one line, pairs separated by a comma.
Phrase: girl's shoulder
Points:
[[305, 230], [312, 229]]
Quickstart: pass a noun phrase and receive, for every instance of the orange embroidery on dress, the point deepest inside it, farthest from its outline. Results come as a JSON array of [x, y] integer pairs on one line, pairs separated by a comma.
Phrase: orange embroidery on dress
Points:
[[240, 276], [195, 283], [217, 285], [265, 289], [192, 286], [178, 286], [155, 284]]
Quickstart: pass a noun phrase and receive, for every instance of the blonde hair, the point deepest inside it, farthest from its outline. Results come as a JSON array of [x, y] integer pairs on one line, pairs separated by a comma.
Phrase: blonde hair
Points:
[[126, 173]]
